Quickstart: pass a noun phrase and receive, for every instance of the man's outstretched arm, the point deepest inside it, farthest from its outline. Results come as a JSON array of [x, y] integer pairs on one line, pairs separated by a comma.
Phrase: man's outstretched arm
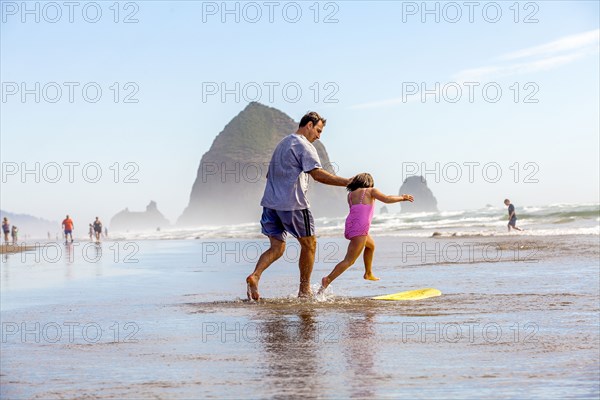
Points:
[[320, 175]]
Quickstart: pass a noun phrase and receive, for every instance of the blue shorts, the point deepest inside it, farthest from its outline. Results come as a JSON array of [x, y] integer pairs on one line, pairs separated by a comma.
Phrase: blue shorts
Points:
[[512, 222], [68, 232], [277, 224]]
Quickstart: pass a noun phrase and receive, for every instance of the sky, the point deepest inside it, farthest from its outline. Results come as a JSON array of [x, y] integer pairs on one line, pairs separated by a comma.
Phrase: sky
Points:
[[110, 105]]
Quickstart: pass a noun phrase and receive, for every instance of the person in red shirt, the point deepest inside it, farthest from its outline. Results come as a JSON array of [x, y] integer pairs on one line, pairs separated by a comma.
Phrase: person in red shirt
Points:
[[67, 225]]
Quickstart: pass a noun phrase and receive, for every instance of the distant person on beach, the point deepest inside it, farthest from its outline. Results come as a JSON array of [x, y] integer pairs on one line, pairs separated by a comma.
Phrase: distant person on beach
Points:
[[91, 232], [285, 205], [512, 217], [98, 229], [105, 232], [14, 232], [5, 229], [361, 201], [68, 226]]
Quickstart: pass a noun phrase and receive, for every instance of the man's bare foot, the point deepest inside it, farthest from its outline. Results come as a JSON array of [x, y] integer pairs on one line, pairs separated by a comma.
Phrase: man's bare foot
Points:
[[324, 283], [305, 291], [370, 277], [252, 288]]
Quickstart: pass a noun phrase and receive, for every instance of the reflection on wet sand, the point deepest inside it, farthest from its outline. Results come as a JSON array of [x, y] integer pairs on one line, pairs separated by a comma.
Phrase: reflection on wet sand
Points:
[[291, 344], [300, 346], [69, 255], [360, 347]]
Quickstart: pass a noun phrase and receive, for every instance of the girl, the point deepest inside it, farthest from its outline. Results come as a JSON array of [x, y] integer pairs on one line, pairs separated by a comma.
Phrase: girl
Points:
[[14, 232], [361, 200]]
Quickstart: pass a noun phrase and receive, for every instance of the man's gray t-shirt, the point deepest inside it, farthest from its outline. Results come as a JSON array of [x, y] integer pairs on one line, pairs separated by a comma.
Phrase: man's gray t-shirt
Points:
[[287, 180]]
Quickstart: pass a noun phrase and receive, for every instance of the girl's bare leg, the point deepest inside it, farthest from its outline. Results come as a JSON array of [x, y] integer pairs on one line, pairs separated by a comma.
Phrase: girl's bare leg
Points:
[[356, 246], [368, 258]]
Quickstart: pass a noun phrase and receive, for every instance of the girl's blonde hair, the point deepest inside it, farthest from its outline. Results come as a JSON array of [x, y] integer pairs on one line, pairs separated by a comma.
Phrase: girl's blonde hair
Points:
[[364, 180]]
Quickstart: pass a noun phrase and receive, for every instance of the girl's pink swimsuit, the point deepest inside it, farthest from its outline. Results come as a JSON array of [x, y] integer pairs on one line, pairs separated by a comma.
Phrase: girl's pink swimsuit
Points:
[[359, 219]]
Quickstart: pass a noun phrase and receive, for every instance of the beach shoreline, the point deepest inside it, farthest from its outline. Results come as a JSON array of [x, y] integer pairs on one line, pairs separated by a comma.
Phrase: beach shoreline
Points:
[[519, 326]]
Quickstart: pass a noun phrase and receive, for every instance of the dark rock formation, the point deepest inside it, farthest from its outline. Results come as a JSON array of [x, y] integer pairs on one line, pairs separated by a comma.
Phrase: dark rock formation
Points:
[[425, 201], [126, 220], [231, 177]]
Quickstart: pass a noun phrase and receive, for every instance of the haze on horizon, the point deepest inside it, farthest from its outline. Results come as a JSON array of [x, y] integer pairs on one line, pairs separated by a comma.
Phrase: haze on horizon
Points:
[[376, 86]]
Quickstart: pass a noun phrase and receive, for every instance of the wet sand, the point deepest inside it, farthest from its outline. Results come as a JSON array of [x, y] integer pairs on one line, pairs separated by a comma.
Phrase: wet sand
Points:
[[14, 248], [517, 318]]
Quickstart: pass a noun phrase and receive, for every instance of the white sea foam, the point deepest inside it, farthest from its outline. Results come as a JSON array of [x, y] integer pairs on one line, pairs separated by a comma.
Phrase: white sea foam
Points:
[[557, 219]]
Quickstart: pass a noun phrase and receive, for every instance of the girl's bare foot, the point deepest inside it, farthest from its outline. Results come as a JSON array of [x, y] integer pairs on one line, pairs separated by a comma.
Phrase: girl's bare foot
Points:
[[370, 277], [324, 283]]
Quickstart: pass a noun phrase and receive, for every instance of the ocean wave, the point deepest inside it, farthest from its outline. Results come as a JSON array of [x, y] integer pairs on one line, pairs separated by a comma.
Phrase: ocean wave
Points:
[[577, 219]]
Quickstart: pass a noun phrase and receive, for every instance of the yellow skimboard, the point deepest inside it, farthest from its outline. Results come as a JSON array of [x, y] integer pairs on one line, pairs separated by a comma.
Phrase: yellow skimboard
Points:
[[418, 294]]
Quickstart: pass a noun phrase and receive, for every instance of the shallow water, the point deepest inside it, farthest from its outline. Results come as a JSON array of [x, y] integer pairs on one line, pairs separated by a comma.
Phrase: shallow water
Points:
[[510, 323]]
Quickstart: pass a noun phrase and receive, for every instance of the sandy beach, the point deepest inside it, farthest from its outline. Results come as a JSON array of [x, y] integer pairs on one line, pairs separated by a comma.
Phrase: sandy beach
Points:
[[152, 151], [14, 248], [168, 319]]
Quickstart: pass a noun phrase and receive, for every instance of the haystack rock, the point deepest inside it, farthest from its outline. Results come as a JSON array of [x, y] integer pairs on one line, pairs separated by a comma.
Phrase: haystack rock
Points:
[[425, 201], [231, 177], [151, 219]]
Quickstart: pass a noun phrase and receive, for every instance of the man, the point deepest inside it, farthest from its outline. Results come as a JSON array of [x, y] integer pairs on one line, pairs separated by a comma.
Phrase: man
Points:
[[67, 226], [512, 217], [97, 229], [285, 205]]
